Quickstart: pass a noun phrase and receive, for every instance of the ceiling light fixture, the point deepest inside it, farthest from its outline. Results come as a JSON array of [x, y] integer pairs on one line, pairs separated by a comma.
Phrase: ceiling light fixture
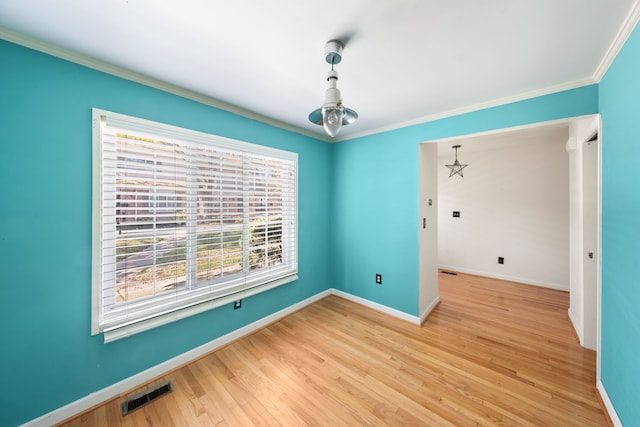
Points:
[[333, 115], [456, 167]]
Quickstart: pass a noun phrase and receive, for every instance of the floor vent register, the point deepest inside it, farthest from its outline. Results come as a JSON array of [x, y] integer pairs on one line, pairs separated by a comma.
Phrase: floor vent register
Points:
[[139, 400]]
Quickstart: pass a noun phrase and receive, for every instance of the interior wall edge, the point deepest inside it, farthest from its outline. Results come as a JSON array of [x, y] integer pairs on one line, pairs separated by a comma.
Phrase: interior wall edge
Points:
[[574, 325], [432, 306]]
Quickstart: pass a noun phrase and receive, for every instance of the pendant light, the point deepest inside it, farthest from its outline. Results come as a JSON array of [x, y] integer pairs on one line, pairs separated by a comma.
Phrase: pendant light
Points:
[[456, 167], [333, 115]]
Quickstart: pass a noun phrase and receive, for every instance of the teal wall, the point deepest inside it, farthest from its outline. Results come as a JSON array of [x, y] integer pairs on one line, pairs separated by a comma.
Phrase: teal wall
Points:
[[375, 205], [358, 216], [48, 357], [620, 109]]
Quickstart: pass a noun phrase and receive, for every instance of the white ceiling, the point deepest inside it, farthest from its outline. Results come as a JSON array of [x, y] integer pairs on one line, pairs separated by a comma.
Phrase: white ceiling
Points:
[[405, 61]]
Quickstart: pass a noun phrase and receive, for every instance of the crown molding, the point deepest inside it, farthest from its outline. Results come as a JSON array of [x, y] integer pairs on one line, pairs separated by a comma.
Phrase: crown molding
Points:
[[134, 76], [475, 107], [621, 37], [619, 40], [628, 25]]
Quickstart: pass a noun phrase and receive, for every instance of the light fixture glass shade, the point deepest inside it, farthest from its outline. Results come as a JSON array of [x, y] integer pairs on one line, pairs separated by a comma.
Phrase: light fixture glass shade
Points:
[[333, 115], [332, 119]]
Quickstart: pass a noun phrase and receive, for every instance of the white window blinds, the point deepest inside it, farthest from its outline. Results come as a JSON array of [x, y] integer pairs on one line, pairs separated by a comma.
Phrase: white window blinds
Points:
[[183, 218]]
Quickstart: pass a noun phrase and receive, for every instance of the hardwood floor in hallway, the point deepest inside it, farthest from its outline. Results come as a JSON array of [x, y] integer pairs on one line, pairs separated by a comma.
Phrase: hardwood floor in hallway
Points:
[[492, 353]]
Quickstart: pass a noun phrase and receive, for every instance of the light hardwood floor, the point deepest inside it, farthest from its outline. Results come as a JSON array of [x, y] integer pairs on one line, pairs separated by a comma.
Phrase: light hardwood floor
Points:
[[492, 353]]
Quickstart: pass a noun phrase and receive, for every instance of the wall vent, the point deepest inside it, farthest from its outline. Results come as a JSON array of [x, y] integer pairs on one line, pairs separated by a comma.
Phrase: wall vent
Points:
[[147, 396]]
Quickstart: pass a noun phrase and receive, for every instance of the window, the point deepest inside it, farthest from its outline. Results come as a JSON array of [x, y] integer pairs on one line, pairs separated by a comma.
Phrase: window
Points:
[[184, 221]]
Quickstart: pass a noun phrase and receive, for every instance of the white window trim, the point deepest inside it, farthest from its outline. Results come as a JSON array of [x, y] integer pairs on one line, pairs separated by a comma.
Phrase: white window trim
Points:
[[136, 326]]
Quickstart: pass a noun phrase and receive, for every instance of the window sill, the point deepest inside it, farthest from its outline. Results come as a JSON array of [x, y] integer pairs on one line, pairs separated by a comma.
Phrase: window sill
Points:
[[145, 325]]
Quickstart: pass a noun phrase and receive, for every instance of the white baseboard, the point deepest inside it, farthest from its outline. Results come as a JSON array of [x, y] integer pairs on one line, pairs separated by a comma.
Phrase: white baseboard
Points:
[[524, 280], [74, 408], [429, 309], [378, 307], [611, 410], [94, 399]]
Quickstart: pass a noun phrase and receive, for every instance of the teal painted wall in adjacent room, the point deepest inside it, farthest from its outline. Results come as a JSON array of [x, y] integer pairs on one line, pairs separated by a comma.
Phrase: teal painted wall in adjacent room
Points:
[[620, 109], [375, 204], [48, 357]]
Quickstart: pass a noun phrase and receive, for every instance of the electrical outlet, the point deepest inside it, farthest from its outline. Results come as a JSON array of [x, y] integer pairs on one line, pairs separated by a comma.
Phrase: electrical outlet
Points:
[[237, 304], [456, 214], [500, 260], [379, 279]]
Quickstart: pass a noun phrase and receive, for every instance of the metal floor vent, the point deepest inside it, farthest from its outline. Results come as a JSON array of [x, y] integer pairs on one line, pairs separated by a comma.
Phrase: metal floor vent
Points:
[[147, 396], [449, 272]]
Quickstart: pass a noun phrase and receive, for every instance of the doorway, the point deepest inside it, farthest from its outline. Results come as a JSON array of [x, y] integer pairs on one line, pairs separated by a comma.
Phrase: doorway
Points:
[[584, 223]]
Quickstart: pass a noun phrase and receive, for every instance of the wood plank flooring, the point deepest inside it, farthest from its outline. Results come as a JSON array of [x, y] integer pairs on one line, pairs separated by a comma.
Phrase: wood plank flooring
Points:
[[492, 353]]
